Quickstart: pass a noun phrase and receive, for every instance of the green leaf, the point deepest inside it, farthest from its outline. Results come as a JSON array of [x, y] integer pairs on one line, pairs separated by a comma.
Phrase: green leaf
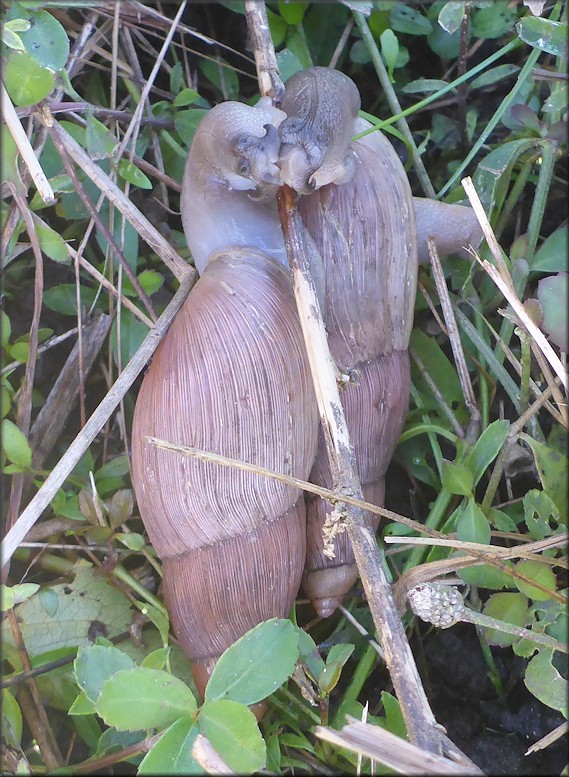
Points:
[[12, 724], [309, 654], [27, 82], [172, 754], [424, 86], [94, 665], [494, 20], [335, 661], [544, 34], [46, 41], [441, 371], [51, 242], [187, 122], [132, 333], [186, 97], [100, 141], [487, 448], [492, 176], [539, 510], [257, 664], [144, 698], [132, 540], [539, 573], [493, 75], [473, 526], [9, 160], [552, 296], [552, 468], [222, 75], [544, 681], [5, 328], [292, 13], [131, 173], [151, 281], [277, 28], [232, 730], [82, 706], [7, 598], [406, 19], [457, 479], [15, 444], [116, 467], [393, 721], [288, 63], [389, 50], [551, 256], [157, 659], [451, 15], [63, 298], [508, 607], [23, 591]]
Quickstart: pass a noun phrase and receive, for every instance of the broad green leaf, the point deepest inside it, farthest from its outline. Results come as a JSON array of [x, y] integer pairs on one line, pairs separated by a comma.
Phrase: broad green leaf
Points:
[[132, 540], [487, 448], [100, 141], [12, 724], [119, 466], [132, 333], [95, 664], [7, 598], [552, 468], [112, 740], [82, 706], [494, 20], [552, 296], [232, 730], [538, 572], [335, 661], [63, 298], [488, 576], [544, 681], [23, 591], [473, 526], [157, 659], [544, 34], [88, 605], [296, 44], [405, 18], [393, 720], [309, 654], [15, 444], [257, 664], [46, 41], [51, 242], [441, 371], [185, 97], [222, 75], [277, 27], [457, 479], [186, 123], [424, 86], [11, 39], [539, 510], [27, 82], [9, 160], [551, 256], [5, 328], [451, 16], [389, 50], [172, 754], [144, 698], [493, 75], [131, 173], [288, 63], [492, 176], [292, 13], [508, 607]]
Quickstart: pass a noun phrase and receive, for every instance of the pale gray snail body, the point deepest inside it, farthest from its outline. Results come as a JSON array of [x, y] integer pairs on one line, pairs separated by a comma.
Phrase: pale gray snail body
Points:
[[232, 377]]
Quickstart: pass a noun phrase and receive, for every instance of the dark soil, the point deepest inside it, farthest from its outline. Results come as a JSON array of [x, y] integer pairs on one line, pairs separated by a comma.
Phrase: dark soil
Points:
[[494, 733]]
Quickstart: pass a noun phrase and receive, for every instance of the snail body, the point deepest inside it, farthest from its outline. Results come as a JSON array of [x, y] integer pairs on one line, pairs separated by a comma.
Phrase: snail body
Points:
[[231, 377]]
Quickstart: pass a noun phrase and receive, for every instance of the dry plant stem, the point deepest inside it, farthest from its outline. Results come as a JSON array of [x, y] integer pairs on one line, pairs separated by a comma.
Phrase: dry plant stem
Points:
[[33, 706], [59, 403], [208, 758], [145, 229], [503, 280], [270, 83], [456, 345], [358, 626], [25, 395], [95, 423], [383, 746], [80, 189], [108, 286], [417, 714], [334, 497], [550, 738], [479, 619], [341, 43], [25, 148]]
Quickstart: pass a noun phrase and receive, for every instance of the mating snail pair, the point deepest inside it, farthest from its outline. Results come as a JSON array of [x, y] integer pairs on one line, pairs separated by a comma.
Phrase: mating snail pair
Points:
[[232, 377]]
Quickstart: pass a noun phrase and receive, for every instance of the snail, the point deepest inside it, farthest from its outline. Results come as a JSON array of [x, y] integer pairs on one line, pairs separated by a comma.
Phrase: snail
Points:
[[232, 377]]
